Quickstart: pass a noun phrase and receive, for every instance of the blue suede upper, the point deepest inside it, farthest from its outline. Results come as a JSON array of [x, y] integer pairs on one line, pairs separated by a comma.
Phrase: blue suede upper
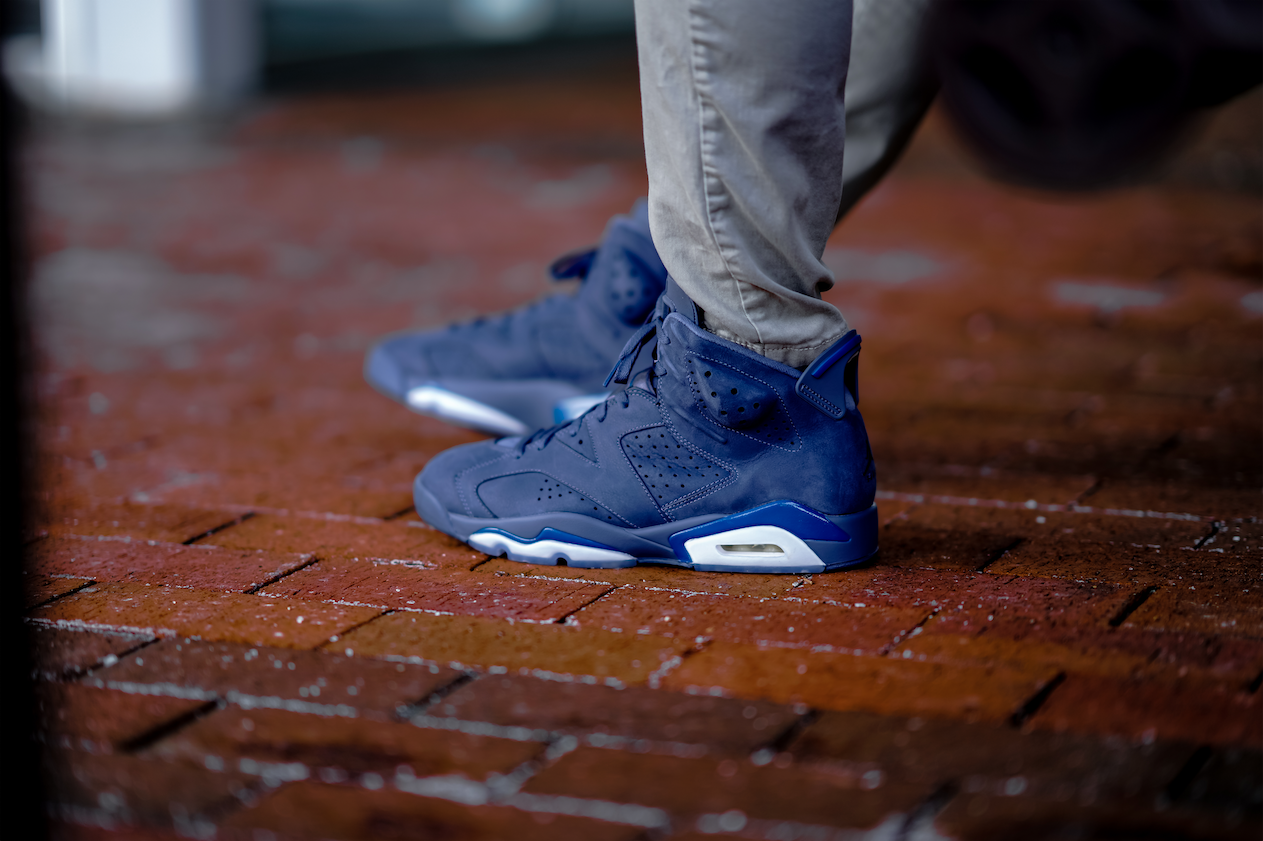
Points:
[[570, 338], [711, 429]]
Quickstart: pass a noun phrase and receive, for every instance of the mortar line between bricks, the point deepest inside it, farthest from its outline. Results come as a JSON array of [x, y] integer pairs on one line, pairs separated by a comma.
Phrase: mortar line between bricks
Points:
[[436, 697], [1215, 528], [52, 599], [282, 575], [155, 734], [1133, 604], [1000, 554], [902, 515], [329, 516], [888, 649], [1032, 704], [1178, 786], [236, 521], [1089, 491], [672, 663], [139, 541], [336, 638], [1163, 447], [923, 814], [101, 664], [512, 782], [561, 620], [440, 787], [785, 738], [102, 627], [1032, 505]]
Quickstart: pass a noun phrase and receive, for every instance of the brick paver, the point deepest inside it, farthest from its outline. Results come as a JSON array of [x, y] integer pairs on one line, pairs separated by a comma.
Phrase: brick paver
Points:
[[242, 630], [252, 677], [308, 810]]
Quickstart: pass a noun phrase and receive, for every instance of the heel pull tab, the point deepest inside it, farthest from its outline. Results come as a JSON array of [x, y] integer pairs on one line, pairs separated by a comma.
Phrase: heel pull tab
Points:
[[831, 382]]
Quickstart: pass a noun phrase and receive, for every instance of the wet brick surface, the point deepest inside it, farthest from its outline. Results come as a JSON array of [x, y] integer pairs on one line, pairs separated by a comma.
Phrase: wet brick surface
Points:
[[224, 617], [843, 681], [243, 631], [161, 563], [64, 653], [723, 725], [340, 745], [103, 720], [681, 786], [259, 676], [307, 810], [599, 656], [401, 585]]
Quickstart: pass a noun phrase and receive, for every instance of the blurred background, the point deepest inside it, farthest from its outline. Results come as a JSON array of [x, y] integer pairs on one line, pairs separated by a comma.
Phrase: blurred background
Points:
[[156, 56]]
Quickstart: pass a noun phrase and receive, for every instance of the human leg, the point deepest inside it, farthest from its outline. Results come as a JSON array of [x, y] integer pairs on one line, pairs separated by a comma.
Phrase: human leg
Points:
[[889, 87], [744, 135]]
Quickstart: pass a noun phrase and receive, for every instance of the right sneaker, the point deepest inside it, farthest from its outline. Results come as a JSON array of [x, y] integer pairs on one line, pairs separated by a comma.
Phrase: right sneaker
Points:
[[715, 458], [537, 365]]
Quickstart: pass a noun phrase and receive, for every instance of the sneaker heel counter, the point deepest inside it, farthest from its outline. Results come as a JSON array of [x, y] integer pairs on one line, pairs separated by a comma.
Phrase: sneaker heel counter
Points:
[[830, 385], [856, 486], [831, 382]]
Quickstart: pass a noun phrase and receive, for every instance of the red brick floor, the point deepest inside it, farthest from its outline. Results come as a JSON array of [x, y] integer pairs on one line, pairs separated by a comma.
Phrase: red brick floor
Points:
[[242, 628]]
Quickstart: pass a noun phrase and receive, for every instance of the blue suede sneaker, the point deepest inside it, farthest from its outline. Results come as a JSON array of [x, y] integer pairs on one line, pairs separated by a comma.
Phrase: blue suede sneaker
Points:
[[537, 365], [714, 458]]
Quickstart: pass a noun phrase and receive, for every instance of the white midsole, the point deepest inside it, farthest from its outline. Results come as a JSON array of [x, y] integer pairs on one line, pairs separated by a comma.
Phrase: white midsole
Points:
[[777, 549], [432, 400], [760, 547], [543, 551]]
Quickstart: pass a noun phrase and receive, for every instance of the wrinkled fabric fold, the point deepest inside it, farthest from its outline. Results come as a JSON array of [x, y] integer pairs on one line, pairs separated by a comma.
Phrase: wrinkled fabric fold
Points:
[[745, 114]]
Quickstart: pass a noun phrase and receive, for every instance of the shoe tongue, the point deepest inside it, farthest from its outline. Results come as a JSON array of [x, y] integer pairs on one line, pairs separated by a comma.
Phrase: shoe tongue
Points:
[[676, 301], [626, 276]]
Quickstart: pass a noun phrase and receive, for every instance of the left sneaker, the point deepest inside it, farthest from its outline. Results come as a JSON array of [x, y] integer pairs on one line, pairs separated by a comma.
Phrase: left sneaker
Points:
[[715, 458]]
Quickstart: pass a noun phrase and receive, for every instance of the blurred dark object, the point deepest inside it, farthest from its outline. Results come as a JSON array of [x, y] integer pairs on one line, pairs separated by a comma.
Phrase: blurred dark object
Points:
[[1076, 94], [306, 30], [347, 45], [23, 801]]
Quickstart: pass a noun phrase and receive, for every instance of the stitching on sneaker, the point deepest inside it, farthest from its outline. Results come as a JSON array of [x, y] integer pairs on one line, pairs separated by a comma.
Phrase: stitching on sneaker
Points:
[[588, 495], [706, 409], [820, 399], [632, 467], [460, 487], [692, 497]]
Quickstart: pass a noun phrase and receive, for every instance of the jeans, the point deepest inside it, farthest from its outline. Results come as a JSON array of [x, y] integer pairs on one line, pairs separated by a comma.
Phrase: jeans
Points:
[[746, 105]]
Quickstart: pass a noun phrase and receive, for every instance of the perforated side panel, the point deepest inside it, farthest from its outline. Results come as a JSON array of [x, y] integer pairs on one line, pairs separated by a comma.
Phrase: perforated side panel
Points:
[[580, 441], [523, 494], [743, 403], [669, 470]]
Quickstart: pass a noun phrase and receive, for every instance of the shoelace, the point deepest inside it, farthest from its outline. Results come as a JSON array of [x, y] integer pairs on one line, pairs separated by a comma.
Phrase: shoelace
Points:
[[623, 372], [544, 437]]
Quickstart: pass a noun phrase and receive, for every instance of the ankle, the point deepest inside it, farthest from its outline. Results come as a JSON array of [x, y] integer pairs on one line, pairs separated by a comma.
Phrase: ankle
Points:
[[797, 356]]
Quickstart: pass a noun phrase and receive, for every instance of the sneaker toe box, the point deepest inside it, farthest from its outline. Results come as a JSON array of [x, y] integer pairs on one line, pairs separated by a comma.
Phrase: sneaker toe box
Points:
[[448, 483], [396, 364]]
